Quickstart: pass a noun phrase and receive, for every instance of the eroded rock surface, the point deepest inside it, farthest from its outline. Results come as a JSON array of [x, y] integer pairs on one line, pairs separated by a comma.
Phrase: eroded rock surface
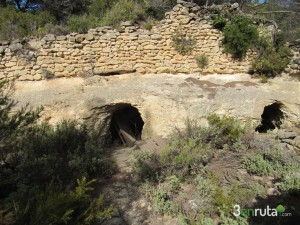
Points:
[[164, 101]]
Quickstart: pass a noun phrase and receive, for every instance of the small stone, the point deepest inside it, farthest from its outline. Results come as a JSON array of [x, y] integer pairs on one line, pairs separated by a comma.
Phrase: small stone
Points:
[[271, 191], [107, 50], [26, 78], [61, 38], [79, 38], [49, 37], [126, 24], [89, 37], [72, 39], [155, 37], [15, 47], [235, 5], [163, 70], [37, 77]]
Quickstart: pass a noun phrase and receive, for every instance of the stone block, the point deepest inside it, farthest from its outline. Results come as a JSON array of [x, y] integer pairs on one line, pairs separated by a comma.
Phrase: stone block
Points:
[[79, 38], [49, 37], [89, 37]]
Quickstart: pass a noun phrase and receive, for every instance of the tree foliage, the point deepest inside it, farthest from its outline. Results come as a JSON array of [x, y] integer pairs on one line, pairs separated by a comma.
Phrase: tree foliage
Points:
[[239, 36]]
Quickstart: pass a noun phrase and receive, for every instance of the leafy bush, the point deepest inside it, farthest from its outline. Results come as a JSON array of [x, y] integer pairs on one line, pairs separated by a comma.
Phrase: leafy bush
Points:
[[290, 184], [219, 23], [147, 166], [182, 42], [34, 155], [52, 206], [228, 220], [271, 59], [163, 203], [229, 130], [185, 157], [158, 8], [82, 23], [258, 165], [239, 36], [173, 184], [15, 24], [148, 23], [202, 60], [98, 8], [123, 11]]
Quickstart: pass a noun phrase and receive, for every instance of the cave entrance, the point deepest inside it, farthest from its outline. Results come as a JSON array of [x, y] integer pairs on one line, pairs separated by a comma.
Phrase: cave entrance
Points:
[[126, 125], [271, 118]]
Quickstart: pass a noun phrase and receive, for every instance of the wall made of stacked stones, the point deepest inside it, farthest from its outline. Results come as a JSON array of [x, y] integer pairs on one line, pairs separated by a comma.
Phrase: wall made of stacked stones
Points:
[[106, 50]]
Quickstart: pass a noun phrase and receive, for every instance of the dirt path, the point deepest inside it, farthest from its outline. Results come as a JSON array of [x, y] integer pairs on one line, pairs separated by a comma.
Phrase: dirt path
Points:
[[122, 191]]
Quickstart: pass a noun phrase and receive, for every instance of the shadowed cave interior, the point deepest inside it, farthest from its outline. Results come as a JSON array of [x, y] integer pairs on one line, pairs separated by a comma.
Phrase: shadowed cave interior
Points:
[[271, 118], [126, 126]]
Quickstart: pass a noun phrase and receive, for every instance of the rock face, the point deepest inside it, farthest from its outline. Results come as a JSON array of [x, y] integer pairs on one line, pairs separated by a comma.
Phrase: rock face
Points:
[[132, 47], [164, 101]]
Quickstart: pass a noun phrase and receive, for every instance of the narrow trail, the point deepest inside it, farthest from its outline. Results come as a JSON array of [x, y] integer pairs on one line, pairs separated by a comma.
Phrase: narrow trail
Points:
[[122, 192]]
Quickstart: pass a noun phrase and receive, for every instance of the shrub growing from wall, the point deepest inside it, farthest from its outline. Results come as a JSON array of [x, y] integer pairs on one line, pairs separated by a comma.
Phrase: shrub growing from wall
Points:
[[239, 36]]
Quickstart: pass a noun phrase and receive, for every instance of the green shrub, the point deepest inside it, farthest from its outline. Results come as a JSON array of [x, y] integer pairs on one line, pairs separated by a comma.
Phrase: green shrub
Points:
[[147, 166], [290, 184], [51, 28], [224, 200], [82, 23], [219, 23], [271, 59], [123, 11], [158, 8], [52, 206], [202, 60], [15, 24], [227, 219], [229, 129], [148, 23], [263, 78], [163, 203], [98, 8], [258, 165], [239, 36], [185, 157], [182, 42], [173, 184], [205, 189], [61, 154]]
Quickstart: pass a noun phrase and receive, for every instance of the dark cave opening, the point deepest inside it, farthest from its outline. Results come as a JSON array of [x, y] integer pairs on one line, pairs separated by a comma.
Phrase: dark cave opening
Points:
[[126, 126], [271, 118]]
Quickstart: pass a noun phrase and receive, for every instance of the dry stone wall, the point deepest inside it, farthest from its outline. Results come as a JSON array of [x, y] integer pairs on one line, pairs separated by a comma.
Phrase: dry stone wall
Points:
[[294, 67], [106, 50]]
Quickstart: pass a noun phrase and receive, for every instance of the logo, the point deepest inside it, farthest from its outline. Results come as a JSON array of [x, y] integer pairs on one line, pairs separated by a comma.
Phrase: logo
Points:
[[278, 211]]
